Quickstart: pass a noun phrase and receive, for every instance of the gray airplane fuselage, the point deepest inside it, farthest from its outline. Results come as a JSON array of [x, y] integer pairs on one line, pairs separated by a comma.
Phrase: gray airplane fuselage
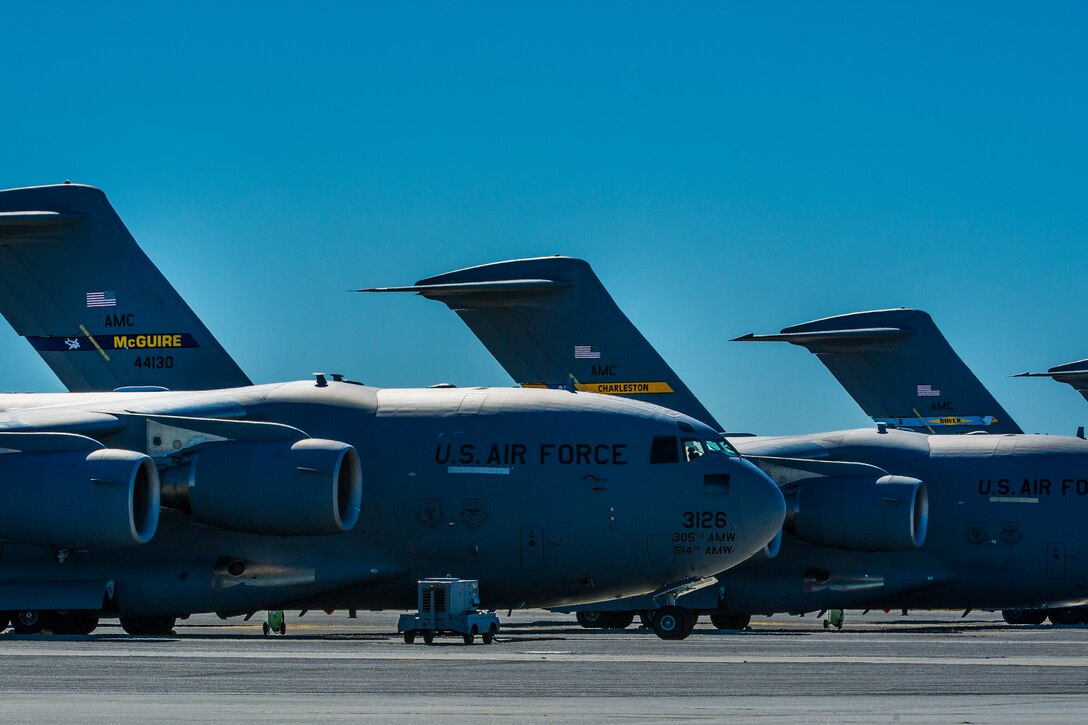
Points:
[[546, 497], [1005, 527]]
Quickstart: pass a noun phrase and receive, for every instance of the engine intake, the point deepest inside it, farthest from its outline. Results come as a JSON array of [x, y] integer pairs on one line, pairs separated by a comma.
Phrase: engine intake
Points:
[[283, 488], [75, 499], [890, 513]]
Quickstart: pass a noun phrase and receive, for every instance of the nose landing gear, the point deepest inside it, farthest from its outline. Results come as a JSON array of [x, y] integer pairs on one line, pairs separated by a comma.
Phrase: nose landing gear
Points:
[[672, 622]]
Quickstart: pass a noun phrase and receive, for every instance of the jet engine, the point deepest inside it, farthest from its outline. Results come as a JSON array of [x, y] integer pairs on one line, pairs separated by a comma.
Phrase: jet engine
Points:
[[889, 513], [285, 488], [77, 499]]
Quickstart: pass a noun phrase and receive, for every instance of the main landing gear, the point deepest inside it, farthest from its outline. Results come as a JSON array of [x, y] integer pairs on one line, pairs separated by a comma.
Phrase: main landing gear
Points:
[[605, 620], [32, 621], [148, 625], [1057, 615]]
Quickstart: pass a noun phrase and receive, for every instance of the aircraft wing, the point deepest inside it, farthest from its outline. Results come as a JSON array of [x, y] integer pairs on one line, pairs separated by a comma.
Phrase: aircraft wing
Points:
[[1074, 374], [77, 286], [901, 370], [551, 323]]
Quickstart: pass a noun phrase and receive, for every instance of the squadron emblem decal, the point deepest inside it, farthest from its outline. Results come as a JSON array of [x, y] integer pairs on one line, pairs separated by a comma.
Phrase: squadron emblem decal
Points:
[[430, 512], [976, 532], [473, 513], [1010, 532]]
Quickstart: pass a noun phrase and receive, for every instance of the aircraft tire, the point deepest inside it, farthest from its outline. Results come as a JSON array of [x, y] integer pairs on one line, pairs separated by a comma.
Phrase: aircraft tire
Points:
[[617, 620], [646, 618], [590, 620], [1083, 615], [5, 618], [672, 622], [729, 621], [1024, 616], [148, 625], [1064, 615], [27, 622]]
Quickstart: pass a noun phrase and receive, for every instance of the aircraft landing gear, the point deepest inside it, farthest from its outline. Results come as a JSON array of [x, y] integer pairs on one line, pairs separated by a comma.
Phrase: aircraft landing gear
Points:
[[1024, 616], [28, 621], [71, 623], [1064, 615], [4, 619], [589, 620], [148, 625], [730, 621], [605, 620], [672, 622]]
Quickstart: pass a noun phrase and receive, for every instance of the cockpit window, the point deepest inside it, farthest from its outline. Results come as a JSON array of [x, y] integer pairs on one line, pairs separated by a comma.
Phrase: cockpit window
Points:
[[721, 446], [664, 450], [692, 449]]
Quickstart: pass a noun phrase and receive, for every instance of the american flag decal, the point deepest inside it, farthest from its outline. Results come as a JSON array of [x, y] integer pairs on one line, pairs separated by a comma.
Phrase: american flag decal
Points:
[[586, 352], [927, 391], [101, 299]]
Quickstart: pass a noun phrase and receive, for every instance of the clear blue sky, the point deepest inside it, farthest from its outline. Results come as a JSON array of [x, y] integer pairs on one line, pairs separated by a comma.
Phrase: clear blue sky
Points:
[[725, 167]]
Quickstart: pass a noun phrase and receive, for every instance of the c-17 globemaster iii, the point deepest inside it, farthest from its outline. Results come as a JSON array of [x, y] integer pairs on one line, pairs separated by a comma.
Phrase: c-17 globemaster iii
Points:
[[1004, 511], [314, 494]]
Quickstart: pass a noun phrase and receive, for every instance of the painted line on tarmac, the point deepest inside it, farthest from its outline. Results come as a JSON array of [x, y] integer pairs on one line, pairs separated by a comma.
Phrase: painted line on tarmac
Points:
[[478, 654]]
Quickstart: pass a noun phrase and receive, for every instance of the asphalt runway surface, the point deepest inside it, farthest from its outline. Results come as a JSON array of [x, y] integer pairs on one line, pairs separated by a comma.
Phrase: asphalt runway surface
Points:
[[882, 667]]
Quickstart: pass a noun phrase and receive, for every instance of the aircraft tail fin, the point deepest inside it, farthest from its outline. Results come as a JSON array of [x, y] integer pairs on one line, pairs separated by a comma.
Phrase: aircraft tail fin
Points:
[[901, 370], [1074, 374], [77, 286], [550, 322]]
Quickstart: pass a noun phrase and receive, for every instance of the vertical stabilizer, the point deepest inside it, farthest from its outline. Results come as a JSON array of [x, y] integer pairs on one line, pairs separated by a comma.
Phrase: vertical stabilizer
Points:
[[76, 285], [550, 322], [901, 370]]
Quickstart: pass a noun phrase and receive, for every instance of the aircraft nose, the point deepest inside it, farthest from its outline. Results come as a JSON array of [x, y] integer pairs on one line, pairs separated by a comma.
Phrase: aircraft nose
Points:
[[763, 508]]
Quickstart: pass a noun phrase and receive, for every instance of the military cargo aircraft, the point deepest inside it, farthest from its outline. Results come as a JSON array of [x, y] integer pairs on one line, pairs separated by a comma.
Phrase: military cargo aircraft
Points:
[[1004, 511], [150, 504]]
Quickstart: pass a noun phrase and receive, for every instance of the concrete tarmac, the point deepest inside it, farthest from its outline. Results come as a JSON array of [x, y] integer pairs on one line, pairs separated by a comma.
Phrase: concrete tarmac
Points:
[[926, 667]]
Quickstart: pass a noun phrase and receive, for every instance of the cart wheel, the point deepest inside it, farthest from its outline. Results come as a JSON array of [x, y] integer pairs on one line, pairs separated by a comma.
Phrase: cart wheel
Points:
[[489, 635], [283, 627], [469, 637], [409, 636], [265, 627], [428, 636]]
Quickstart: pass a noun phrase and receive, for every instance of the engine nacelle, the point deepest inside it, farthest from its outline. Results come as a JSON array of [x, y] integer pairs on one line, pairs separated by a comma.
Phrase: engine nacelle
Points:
[[307, 487], [75, 499], [890, 513]]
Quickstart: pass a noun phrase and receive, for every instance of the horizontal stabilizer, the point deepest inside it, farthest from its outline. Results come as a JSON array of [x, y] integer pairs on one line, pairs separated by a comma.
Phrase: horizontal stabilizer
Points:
[[846, 337], [1074, 374], [900, 369], [551, 323], [77, 286], [496, 289]]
